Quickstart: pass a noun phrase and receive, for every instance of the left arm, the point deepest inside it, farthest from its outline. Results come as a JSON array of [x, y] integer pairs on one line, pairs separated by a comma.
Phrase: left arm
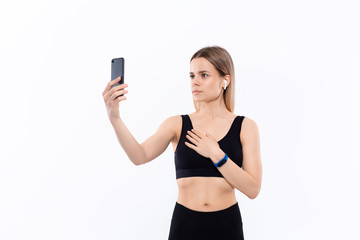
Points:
[[248, 178]]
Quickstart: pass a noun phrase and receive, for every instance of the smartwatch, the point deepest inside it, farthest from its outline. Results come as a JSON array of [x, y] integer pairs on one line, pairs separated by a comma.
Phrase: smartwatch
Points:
[[221, 162]]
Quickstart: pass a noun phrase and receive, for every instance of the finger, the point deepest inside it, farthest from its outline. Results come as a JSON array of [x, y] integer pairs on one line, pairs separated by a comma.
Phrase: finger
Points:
[[193, 135], [115, 98], [117, 88], [197, 133], [122, 98], [190, 145], [118, 93], [114, 90], [191, 139], [108, 98], [112, 82], [121, 86], [108, 86], [193, 147]]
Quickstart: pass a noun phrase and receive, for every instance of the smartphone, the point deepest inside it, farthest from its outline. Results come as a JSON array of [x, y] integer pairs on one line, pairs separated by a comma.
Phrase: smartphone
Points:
[[117, 69]]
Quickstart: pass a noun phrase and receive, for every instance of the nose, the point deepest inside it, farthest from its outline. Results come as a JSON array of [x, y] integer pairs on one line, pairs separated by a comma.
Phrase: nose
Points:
[[194, 81]]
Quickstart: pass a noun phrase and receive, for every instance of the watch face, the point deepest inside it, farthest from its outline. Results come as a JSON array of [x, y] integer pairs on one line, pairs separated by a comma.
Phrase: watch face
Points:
[[222, 162]]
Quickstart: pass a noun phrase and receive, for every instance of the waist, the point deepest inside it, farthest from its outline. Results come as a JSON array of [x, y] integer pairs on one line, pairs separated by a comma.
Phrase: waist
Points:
[[205, 193]]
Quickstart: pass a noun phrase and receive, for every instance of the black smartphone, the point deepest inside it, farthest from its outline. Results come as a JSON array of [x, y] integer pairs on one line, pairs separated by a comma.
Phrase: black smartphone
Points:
[[117, 69]]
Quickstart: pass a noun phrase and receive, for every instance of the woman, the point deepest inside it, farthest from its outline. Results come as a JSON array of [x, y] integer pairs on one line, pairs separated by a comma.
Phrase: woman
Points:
[[215, 150]]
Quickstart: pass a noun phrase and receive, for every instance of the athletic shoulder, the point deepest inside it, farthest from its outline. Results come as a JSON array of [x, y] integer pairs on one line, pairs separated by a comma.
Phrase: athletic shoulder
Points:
[[249, 128], [173, 123], [173, 120]]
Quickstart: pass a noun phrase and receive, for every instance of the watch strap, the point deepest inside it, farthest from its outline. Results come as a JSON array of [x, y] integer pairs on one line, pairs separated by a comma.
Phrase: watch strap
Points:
[[221, 162]]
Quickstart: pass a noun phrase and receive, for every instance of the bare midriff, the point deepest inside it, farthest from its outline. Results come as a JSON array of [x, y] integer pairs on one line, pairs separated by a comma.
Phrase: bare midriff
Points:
[[205, 194]]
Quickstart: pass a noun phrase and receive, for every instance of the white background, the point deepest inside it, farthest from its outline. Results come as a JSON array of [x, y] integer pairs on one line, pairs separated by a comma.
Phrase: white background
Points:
[[63, 174]]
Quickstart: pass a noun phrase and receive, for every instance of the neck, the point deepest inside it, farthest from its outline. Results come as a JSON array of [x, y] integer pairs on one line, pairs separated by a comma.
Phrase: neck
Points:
[[213, 109]]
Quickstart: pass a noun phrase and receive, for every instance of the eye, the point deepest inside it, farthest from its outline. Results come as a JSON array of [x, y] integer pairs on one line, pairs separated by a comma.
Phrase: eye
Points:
[[204, 74], [191, 76]]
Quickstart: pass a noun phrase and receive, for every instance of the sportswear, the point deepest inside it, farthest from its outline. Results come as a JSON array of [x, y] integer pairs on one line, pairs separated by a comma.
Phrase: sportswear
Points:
[[188, 163], [189, 224]]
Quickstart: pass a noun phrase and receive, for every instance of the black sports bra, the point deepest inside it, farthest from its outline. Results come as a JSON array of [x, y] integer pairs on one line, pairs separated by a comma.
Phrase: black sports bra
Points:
[[188, 163]]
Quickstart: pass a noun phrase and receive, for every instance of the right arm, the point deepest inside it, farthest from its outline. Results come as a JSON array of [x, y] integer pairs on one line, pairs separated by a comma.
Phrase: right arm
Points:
[[149, 149], [152, 147]]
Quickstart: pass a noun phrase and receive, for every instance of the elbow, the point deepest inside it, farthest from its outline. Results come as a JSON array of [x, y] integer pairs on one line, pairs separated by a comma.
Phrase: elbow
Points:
[[254, 190], [137, 163], [254, 193], [253, 196], [140, 160]]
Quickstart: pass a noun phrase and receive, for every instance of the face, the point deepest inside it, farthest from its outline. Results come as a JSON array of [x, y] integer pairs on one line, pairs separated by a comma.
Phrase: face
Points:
[[205, 79]]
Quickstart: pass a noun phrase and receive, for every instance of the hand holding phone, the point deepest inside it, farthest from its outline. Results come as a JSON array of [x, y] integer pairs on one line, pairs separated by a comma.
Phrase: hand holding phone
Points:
[[111, 93]]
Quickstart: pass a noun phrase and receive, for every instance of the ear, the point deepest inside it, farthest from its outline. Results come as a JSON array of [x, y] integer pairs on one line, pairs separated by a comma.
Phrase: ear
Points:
[[228, 80]]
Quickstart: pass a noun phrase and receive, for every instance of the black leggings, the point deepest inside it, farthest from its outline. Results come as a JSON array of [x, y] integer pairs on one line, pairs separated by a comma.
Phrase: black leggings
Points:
[[188, 224]]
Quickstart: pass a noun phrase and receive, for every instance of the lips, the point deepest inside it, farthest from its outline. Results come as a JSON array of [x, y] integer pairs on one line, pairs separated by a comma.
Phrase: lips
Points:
[[196, 91]]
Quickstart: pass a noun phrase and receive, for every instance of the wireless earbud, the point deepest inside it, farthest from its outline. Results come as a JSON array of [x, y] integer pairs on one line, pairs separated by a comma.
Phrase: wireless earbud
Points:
[[225, 84]]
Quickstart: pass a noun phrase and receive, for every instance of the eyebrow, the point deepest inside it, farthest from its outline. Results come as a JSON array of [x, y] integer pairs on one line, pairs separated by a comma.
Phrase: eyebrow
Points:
[[200, 72]]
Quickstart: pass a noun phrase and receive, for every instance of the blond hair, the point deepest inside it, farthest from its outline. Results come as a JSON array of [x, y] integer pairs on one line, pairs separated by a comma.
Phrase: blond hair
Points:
[[222, 61]]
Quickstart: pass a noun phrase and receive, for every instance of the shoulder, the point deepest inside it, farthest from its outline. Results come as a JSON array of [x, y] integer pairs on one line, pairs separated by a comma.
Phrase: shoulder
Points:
[[172, 124], [249, 129], [173, 120]]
